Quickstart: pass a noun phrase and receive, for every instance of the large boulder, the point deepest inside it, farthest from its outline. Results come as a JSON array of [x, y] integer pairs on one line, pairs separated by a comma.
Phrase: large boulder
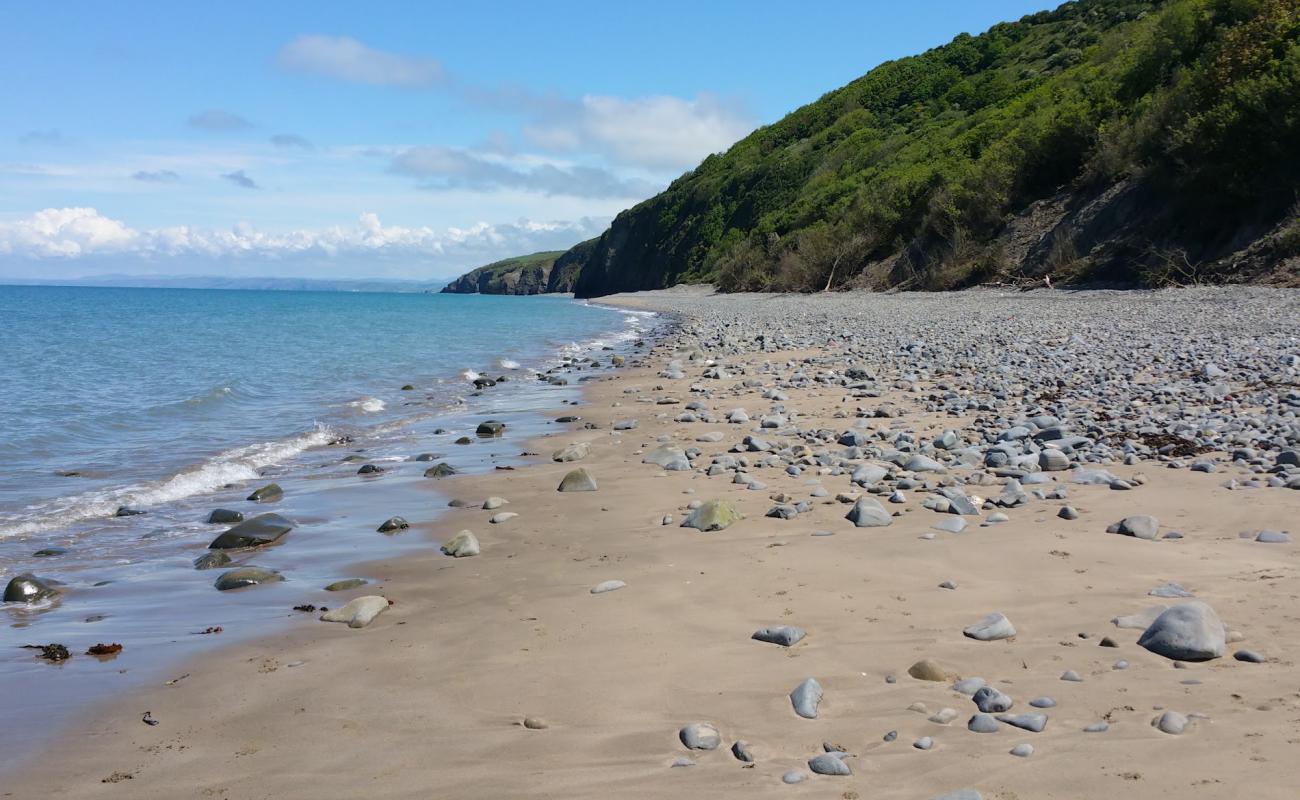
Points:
[[27, 588], [672, 459], [712, 515], [358, 612], [869, 513], [1141, 526], [246, 576], [579, 480], [267, 494], [1187, 632], [572, 452], [260, 530]]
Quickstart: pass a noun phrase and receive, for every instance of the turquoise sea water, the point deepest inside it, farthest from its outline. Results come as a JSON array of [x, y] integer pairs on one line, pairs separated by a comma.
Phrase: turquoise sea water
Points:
[[153, 396]]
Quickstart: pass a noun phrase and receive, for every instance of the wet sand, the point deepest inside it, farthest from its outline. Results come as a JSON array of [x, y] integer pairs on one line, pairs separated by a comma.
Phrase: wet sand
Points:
[[428, 700]]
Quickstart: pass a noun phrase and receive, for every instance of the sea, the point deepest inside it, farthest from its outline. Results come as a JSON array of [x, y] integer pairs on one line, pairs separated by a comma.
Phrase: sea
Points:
[[128, 414]]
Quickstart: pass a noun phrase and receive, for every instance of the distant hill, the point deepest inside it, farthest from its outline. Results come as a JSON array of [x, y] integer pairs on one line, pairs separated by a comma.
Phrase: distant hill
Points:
[[1140, 142], [539, 273]]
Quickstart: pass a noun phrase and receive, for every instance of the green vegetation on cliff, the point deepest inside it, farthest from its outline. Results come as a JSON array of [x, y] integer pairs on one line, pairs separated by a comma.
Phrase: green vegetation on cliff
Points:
[[532, 274], [1146, 141]]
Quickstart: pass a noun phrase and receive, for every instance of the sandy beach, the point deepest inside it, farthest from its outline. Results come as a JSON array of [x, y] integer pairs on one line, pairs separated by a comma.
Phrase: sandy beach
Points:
[[429, 699]]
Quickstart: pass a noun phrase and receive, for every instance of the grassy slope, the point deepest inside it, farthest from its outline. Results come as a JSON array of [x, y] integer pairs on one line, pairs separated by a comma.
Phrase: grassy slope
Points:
[[518, 275], [909, 175]]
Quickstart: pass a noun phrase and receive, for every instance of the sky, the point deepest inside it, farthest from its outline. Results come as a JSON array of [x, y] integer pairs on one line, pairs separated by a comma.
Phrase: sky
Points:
[[388, 139]]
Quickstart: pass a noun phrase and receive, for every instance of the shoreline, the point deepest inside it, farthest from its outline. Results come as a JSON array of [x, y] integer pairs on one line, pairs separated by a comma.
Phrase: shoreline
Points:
[[328, 503], [430, 697]]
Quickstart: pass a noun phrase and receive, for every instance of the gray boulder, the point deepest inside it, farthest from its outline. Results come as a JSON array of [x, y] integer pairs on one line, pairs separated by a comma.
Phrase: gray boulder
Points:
[[784, 635], [829, 764], [869, 513], [700, 736], [246, 576], [991, 628], [579, 480], [267, 493], [27, 588], [256, 532], [806, 697], [1187, 632], [670, 458]]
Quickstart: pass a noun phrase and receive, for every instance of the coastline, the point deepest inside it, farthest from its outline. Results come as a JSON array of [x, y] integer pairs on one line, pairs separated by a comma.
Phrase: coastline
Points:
[[429, 698]]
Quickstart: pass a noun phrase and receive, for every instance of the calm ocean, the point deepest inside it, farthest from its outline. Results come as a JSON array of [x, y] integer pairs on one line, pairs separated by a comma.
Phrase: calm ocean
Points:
[[173, 402]]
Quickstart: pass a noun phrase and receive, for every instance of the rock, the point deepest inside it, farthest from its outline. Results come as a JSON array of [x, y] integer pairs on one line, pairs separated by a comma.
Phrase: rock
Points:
[[536, 724], [920, 463], [462, 545], [345, 584], [579, 480], [742, 752], [440, 470], [1187, 632], [1097, 727], [1043, 702], [672, 459], [1067, 512], [246, 576], [1170, 722], [868, 513], [682, 761], [494, 502], [608, 586], [784, 635], [1029, 722], [393, 524], [123, 511], [504, 516], [50, 552], [576, 451], [1141, 526], [370, 469], [929, 670], [358, 612], [1072, 676], [267, 493], [969, 686], [958, 502], [943, 716], [224, 516], [794, 776], [1053, 460], [713, 515], [490, 428], [1249, 656], [961, 794], [991, 628], [1273, 537], [212, 559], [256, 532], [625, 425], [700, 736], [27, 588], [951, 525], [991, 701], [1173, 590], [829, 764], [806, 697], [982, 723], [924, 743], [1023, 750]]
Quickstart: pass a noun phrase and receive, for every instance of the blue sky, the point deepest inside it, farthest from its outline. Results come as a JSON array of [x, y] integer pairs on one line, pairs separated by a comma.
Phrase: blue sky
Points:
[[407, 140]]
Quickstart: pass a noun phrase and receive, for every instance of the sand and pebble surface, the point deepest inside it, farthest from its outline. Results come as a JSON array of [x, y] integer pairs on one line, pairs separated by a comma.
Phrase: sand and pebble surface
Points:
[[974, 545]]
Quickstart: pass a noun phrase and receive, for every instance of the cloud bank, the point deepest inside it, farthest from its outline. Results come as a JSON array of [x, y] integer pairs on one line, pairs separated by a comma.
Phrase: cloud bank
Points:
[[441, 167], [69, 234]]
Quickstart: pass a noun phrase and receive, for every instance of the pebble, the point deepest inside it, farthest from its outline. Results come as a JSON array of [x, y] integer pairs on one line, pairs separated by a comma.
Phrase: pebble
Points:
[[358, 612], [993, 627], [700, 736], [829, 764], [1023, 750], [607, 586], [784, 635]]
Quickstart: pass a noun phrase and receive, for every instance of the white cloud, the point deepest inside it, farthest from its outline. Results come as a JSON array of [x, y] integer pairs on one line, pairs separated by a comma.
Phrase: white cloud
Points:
[[661, 131], [346, 59], [63, 234]]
